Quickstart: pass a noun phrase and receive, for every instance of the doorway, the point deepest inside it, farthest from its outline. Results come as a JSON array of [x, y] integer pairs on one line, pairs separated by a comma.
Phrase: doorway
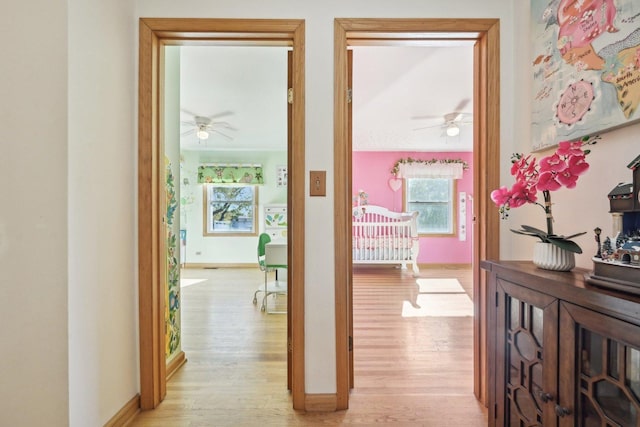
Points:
[[155, 34], [485, 33]]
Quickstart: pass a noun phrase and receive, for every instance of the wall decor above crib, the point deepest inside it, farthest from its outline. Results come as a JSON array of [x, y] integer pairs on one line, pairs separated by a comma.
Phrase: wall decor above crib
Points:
[[433, 168]]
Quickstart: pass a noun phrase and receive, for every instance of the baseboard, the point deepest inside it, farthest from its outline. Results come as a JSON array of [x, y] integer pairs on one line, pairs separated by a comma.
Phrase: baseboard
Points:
[[219, 265], [175, 364], [445, 266], [126, 414], [321, 402]]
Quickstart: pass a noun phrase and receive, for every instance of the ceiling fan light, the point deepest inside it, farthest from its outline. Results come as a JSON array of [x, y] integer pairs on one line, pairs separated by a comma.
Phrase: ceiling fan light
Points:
[[453, 130], [202, 134]]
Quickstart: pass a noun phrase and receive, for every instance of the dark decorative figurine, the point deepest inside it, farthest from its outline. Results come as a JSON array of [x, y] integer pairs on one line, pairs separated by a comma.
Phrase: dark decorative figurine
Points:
[[598, 230]]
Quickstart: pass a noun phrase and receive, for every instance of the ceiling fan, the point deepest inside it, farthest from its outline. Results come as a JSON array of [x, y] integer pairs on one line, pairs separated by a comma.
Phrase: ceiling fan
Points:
[[450, 122], [203, 126]]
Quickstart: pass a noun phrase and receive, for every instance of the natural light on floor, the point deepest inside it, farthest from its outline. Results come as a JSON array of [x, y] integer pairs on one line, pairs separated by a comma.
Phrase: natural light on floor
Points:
[[188, 282], [439, 298]]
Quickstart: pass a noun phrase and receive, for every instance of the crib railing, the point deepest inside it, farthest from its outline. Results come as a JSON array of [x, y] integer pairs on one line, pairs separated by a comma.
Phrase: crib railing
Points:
[[380, 236]]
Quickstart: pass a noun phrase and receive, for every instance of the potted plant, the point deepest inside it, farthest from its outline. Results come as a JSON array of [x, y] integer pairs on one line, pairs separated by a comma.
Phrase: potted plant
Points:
[[550, 173]]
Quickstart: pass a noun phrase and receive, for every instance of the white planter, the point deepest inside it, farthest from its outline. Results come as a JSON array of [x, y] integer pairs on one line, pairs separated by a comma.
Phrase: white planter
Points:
[[551, 257]]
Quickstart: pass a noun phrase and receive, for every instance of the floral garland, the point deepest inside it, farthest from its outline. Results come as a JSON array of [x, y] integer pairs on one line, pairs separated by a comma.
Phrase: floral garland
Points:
[[396, 167]]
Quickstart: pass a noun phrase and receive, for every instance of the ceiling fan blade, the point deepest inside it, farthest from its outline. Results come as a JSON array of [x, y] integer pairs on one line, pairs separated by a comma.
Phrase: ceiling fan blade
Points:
[[224, 135], [458, 117], [225, 125], [221, 114], [184, 110], [461, 105], [427, 117], [188, 132], [429, 127]]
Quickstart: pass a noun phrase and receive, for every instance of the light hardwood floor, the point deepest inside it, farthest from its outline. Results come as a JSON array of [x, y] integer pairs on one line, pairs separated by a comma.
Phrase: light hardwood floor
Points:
[[413, 355]]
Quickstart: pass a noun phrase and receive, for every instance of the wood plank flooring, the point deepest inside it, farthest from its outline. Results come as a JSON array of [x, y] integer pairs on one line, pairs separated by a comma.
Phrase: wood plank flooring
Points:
[[411, 370]]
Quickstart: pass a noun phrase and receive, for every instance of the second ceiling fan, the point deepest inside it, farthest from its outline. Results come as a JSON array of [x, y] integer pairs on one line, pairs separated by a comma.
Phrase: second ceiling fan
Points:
[[202, 126], [450, 122]]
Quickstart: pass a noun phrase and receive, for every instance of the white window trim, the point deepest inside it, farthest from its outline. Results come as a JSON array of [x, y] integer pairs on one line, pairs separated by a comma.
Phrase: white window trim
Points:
[[452, 202]]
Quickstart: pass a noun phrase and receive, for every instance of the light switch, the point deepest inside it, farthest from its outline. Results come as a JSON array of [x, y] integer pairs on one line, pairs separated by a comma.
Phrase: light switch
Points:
[[318, 183]]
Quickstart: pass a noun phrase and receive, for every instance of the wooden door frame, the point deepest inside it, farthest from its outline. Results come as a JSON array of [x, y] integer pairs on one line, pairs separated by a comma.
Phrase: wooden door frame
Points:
[[154, 33], [486, 157]]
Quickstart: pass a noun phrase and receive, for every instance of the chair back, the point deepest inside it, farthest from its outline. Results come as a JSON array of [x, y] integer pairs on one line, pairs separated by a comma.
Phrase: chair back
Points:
[[263, 239]]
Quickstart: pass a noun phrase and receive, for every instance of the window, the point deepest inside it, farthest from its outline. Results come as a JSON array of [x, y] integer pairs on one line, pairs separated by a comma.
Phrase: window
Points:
[[434, 199], [230, 210]]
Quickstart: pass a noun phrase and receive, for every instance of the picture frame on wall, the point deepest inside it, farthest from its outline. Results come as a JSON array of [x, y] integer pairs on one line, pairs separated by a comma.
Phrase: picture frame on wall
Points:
[[585, 59], [281, 176]]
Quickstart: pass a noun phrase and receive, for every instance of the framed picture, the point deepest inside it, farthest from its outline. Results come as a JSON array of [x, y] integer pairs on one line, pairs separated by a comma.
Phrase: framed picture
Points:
[[230, 209], [281, 176], [585, 67]]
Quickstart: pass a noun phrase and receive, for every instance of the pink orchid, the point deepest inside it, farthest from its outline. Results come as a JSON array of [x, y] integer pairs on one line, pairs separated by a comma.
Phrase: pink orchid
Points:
[[578, 165], [561, 169], [566, 148], [552, 163], [567, 179], [501, 196], [521, 194], [548, 181]]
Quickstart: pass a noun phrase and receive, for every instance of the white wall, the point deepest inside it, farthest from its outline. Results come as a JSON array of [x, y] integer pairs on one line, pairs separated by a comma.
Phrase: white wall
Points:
[[103, 358], [33, 218], [319, 22]]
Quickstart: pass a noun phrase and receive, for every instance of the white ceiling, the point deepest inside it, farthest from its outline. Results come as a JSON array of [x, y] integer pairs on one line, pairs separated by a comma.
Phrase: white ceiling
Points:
[[396, 91]]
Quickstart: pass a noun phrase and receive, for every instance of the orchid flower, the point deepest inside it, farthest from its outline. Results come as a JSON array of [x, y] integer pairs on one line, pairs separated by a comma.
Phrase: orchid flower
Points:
[[550, 173]]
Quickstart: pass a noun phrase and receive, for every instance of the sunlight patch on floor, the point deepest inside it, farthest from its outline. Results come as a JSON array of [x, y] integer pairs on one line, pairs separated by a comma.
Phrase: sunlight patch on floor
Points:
[[188, 282], [439, 298], [439, 286]]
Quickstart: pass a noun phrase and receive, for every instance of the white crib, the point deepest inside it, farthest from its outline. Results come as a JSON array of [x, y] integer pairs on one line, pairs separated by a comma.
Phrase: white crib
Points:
[[381, 236]]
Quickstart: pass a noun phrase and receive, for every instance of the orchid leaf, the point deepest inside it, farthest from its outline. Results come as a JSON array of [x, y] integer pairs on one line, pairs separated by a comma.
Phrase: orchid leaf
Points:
[[531, 233], [530, 229], [562, 242], [567, 245], [574, 235]]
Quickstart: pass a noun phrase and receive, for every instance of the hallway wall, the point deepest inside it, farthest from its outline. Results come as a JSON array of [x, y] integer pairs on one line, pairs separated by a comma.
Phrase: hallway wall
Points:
[[319, 26], [33, 218]]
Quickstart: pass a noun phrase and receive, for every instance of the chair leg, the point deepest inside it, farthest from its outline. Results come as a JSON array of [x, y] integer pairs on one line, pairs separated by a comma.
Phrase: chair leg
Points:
[[266, 294]]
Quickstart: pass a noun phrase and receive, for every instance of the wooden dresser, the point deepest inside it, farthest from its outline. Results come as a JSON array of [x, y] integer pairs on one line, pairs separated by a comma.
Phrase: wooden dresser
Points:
[[561, 351]]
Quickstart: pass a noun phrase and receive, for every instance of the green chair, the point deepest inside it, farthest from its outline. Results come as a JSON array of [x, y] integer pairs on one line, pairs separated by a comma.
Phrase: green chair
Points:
[[276, 287]]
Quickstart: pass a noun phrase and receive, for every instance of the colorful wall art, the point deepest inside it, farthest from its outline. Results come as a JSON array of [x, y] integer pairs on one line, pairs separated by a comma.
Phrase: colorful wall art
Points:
[[172, 295], [586, 68]]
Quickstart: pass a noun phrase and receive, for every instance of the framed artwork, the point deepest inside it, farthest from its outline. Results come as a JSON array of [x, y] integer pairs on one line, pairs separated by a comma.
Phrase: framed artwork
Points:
[[281, 176], [586, 68]]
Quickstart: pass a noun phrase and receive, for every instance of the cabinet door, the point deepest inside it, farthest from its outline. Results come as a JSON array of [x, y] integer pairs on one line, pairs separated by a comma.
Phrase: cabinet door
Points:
[[526, 356], [599, 370]]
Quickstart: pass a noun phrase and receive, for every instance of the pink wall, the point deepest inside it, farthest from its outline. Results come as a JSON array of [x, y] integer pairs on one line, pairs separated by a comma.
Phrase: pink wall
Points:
[[371, 173]]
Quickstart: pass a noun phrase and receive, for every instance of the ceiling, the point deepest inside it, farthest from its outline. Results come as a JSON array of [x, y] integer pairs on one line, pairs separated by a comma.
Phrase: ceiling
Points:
[[400, 97]]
